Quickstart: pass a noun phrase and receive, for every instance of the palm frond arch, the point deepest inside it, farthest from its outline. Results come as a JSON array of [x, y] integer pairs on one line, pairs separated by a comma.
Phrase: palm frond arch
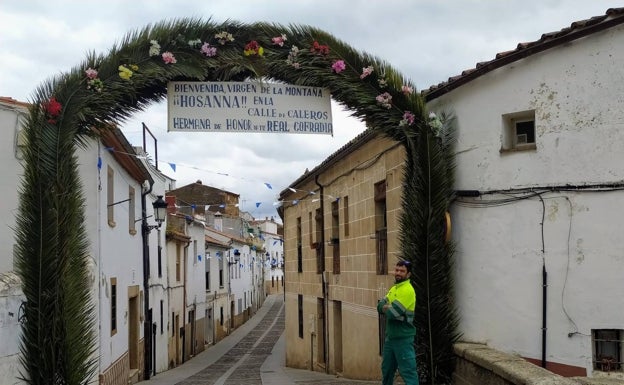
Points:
[[58, 332]]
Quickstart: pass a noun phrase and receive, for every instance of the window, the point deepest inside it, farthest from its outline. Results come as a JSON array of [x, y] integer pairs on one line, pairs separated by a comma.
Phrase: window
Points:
[[221, 316], [335, 237], [131, 211], [518, 131], [113, 306], [345, 215], [208, 270], [381, 230], [110, 196], [300, 314], [159, 260], [320, 248], [311, 227], [178, 257], [162, 314], [607, 349], [20, 142], [299, 247], [219, 255]]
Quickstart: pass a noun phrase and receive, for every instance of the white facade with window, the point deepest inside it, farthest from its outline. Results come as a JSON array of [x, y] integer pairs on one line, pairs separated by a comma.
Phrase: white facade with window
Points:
[[112, 208], [549, 199]]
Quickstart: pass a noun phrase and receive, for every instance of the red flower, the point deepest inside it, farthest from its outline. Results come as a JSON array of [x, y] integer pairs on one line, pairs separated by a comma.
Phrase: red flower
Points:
[[253, 48], [53, 109], [321, 49]]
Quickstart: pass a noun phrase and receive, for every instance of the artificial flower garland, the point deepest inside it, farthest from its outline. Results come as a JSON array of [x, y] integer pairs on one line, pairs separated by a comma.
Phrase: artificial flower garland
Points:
[[253, 48]]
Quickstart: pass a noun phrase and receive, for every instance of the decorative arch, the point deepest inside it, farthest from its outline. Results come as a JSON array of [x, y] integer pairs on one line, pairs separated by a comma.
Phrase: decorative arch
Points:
[[59, 334]]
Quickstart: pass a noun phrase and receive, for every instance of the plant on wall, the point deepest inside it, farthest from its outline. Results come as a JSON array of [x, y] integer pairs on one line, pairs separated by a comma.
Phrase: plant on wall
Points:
[[58, 333]]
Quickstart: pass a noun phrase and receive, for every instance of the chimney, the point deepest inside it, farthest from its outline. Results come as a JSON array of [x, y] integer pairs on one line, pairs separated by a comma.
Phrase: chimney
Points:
[[171, 204]]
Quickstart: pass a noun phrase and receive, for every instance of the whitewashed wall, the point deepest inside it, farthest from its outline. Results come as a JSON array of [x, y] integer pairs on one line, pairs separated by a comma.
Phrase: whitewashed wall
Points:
[[576, 92], [11, 122], [158, 284], [196, 271], [114, 250]]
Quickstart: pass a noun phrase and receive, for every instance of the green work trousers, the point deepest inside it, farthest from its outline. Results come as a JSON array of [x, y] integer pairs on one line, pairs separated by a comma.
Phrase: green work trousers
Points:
[[399, 353]]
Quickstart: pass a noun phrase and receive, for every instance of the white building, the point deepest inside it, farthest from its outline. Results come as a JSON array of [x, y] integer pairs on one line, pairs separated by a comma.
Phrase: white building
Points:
[[217, 294], [271, 233], [113, 180], [537, 221], [12, 115], [115, 185], [158, 282]]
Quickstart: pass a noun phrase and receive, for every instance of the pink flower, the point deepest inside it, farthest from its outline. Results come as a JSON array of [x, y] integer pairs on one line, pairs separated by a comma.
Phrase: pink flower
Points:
[[366, 71], [168, 58], [339, 66], [279, 40], [91, 73], [408, 119], [407, 90], [384, 100], [209, 51]]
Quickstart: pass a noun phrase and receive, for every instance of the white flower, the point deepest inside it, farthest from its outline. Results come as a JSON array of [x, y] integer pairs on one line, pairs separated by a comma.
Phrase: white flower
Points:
[[154, 48]]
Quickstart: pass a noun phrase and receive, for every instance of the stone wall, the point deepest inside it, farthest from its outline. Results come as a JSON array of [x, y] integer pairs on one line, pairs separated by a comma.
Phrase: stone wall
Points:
[[478, 364]]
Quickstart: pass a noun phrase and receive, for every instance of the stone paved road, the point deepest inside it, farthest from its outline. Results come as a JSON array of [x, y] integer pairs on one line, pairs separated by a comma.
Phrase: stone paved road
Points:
[[241, 364]]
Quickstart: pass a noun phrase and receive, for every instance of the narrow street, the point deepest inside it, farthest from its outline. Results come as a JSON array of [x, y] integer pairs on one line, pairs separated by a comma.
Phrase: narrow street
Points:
[[253, 354]]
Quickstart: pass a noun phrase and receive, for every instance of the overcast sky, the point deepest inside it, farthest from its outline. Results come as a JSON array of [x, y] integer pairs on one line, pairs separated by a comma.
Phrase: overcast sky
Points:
[[427, 40]]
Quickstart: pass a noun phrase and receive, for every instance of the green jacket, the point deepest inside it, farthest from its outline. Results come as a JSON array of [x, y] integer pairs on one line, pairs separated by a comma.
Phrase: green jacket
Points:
[[400, 313]]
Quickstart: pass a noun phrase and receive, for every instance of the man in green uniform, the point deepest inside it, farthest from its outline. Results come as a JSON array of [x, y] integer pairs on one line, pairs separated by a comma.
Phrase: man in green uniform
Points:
[[398, 307]]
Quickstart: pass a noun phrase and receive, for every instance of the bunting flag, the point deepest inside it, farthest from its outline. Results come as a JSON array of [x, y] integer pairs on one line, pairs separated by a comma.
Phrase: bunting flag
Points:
[[174, 166]]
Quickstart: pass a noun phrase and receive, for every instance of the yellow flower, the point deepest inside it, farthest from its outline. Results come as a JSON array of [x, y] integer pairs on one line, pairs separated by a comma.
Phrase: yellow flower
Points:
[[134, 67], [124, 72]]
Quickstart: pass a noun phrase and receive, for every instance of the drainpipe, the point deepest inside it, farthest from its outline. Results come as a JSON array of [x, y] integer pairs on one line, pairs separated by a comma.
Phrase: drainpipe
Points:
[[324, 280], [147, 335], [184, 302], [544, 287]]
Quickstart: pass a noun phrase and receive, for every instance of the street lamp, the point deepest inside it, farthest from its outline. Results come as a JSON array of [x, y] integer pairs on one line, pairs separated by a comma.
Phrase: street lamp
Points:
[[160, 213]]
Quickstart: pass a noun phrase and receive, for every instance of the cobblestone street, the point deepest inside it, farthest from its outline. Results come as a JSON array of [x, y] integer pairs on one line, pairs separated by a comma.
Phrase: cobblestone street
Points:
[[256, 358], [241, 364]]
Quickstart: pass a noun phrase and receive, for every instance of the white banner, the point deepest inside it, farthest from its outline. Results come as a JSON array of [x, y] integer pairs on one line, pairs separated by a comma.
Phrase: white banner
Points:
[[248, 107]]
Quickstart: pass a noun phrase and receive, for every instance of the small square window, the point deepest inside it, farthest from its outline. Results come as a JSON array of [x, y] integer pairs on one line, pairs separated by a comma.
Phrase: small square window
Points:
[[518, 131], [607, 349]]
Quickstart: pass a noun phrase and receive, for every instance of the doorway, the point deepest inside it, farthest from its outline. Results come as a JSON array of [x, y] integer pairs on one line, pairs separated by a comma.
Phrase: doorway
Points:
[[133, 327], [337, 324]]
